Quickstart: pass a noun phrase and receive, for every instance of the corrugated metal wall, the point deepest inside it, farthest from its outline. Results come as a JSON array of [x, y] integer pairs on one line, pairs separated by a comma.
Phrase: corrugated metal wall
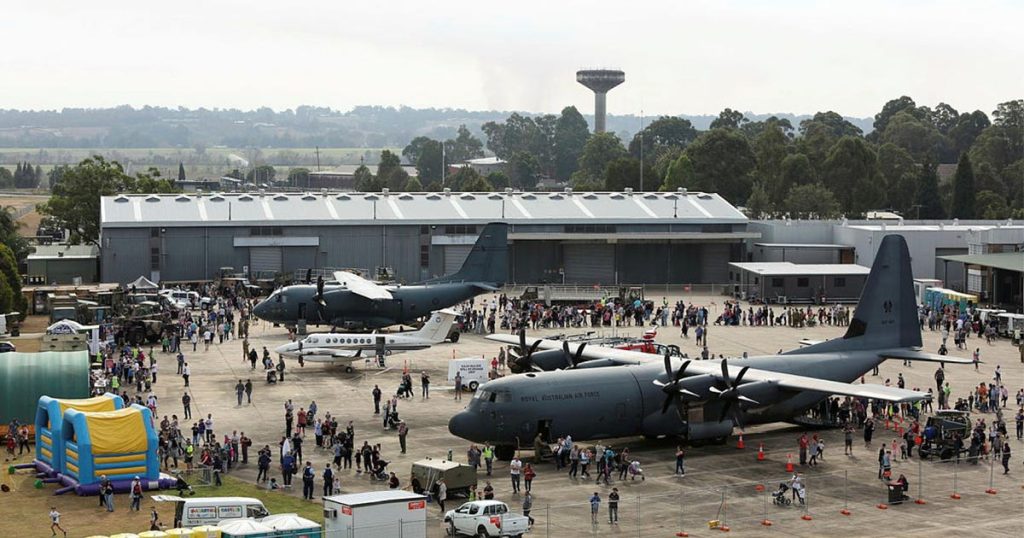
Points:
[[589, 263], [198, 253]]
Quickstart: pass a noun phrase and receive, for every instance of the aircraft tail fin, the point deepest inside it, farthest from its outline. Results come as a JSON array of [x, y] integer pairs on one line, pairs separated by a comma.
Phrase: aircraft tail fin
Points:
[[488, 261], [435, 330], [886, 315]]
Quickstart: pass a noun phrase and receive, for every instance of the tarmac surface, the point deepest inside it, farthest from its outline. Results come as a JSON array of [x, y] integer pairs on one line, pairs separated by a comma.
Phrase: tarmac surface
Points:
[[721, 482]]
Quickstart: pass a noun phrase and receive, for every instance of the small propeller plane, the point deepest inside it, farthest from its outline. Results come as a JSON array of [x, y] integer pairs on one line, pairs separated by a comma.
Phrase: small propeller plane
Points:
[[619, 393], [346, 348]]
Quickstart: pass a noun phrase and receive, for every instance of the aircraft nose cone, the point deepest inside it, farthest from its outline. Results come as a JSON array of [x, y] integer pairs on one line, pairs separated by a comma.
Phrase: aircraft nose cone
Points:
[[260, 310], [461, 425], [286, 349]]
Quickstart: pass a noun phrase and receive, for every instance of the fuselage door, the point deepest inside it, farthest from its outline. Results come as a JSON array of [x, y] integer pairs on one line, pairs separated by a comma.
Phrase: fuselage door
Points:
[[302, 311]]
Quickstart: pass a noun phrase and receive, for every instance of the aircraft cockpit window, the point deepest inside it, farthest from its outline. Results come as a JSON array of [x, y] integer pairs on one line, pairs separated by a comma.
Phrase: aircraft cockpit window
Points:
[[501, 397], [492, 396], [277, 297], [481, 395], [312, 340]]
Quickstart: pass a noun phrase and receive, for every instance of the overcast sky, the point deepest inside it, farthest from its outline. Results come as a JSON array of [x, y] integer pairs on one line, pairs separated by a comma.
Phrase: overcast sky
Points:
[[680, 57]]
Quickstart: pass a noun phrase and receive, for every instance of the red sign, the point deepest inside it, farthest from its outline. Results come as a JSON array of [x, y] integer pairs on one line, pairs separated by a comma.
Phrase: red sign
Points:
[[347, 510], [417, 505]]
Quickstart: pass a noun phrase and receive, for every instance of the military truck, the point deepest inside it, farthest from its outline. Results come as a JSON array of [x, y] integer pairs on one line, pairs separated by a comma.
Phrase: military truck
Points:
[[458, 477]]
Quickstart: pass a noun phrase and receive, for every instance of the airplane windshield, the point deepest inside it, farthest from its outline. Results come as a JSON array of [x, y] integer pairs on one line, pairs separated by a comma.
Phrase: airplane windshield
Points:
[[480, 395]]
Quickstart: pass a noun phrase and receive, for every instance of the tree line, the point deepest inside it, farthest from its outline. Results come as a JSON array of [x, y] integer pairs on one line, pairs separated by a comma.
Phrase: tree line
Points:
[[823, 167], [25, 176]]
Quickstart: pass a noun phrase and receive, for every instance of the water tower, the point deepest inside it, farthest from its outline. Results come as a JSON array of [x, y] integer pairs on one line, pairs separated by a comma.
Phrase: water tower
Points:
[[600, 81]]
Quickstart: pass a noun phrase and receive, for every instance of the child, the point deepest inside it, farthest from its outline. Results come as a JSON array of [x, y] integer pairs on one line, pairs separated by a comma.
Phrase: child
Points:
[[273, 483], [55, 521]]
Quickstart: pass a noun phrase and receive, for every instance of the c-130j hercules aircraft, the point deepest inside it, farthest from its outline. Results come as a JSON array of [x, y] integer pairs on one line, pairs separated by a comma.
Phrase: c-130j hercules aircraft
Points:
[[619, 393]]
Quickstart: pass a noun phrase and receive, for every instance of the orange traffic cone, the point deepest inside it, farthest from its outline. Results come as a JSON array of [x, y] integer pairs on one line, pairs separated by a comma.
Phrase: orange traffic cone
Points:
[[789, 463], [739, 442], [760, 452]]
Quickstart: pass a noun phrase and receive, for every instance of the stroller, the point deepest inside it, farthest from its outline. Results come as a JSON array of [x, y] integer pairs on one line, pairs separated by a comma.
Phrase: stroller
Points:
[[780, 498], [271, 377], [392, 422]]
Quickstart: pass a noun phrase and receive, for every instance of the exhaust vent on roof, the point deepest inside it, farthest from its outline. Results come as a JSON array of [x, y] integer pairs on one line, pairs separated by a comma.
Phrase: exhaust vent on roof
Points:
[[405, 196], [590, 196], [245, 198], [152, 198], [433, 196], [121, 199], [182, 198], [343, 197], [528, 196], [216, 198], [308, 198], [280, 198], [494, 196]]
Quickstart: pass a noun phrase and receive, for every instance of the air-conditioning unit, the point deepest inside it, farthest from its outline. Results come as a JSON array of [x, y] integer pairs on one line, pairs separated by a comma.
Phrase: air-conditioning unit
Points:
[[330, 513]]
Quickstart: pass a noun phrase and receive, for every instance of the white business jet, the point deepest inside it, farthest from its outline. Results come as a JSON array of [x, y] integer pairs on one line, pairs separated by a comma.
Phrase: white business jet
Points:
[[346, 348]]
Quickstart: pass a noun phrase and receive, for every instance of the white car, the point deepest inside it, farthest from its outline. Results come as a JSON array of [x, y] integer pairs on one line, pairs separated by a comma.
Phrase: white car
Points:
[[485, 518]]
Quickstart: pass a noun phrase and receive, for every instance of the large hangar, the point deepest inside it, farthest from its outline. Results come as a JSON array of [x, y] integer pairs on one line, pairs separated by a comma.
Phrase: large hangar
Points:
[[572, 237]]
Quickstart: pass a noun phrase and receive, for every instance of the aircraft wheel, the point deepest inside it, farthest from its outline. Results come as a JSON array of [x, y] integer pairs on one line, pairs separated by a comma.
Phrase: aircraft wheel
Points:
[[473, 385], [504, 452], [349, 370], [454, 337]]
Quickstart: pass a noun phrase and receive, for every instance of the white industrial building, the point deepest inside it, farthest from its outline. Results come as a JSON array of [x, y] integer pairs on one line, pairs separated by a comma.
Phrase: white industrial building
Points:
[[857, 242]]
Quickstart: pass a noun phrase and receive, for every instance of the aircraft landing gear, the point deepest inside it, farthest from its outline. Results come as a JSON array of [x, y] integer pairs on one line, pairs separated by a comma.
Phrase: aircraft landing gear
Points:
[[349, 370], [504, 452]]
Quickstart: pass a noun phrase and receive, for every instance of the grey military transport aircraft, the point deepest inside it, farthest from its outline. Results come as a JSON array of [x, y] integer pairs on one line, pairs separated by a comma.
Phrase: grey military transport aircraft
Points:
[[356, 303], [620, 393]]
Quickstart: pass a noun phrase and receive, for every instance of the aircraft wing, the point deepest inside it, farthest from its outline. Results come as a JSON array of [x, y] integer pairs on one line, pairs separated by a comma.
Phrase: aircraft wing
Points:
[[801, 383], [909, 355], [360, 286], [713, 367]]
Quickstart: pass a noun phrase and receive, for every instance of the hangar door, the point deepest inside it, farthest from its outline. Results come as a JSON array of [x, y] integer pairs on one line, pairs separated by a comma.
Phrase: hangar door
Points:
[[454, 255], [589, 263], [714, 263], [264, 259]]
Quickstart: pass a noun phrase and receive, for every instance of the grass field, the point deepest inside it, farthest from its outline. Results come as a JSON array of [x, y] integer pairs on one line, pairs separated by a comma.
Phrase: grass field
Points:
[[26, 507]]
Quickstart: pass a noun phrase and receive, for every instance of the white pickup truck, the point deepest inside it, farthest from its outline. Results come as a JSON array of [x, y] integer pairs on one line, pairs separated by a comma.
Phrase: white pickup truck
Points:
[[485, 518]]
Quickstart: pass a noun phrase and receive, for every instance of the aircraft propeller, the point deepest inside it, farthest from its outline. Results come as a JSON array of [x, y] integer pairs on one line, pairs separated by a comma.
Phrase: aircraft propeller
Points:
[[731, 394], [523, 359], [672, 389], [321, 304], [571, 360]]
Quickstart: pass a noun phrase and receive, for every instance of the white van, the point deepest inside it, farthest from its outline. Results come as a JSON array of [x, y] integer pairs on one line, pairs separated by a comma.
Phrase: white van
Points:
[[474, 372], [178, 298], [196, 511]]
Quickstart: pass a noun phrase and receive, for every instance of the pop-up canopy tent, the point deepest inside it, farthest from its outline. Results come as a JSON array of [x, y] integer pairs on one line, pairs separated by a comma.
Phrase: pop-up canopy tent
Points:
[[143, 283]]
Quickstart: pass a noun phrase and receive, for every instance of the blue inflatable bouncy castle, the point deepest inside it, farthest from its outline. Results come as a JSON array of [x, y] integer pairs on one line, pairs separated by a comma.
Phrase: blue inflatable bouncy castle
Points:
[[120, 445], [49, 424]]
